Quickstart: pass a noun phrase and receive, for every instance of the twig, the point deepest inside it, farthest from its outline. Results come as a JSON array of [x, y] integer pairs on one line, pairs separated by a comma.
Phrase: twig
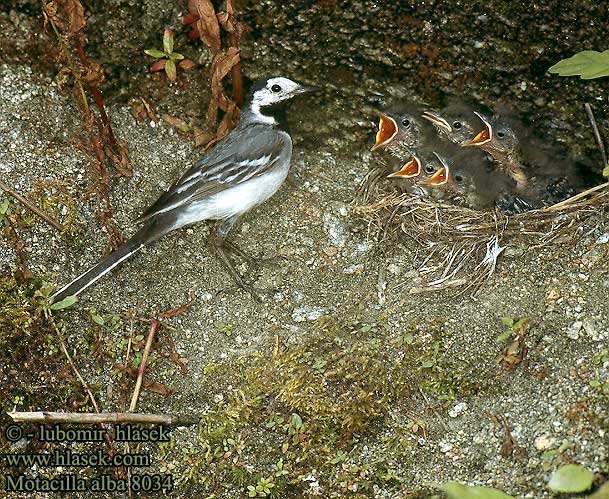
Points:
[[140, 375], [31, 207], [181, 309], [62, 343], [96, 94], [597, 135], [102, 417], [578, 196], [438, 415]]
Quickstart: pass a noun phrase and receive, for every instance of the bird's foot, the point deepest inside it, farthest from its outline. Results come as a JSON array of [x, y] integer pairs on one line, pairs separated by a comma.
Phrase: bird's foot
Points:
[[255, 292], [253, 261]]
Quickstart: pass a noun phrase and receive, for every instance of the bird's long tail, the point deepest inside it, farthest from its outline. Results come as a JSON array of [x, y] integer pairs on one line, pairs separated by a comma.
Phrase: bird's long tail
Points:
[[91, 276]]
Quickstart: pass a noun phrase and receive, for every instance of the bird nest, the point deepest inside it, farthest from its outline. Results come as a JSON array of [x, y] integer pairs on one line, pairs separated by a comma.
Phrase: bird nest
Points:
[[461, 247]]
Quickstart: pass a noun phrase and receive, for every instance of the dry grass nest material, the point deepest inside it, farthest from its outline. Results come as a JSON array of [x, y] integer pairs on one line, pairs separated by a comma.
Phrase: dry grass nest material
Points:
[[461, 246]]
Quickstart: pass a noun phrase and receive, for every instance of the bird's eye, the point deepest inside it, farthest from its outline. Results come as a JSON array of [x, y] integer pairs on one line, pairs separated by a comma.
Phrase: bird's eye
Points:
[[458, 178], [501, 135], [457, 125], [406, 122], [429, 168], [275, 88]]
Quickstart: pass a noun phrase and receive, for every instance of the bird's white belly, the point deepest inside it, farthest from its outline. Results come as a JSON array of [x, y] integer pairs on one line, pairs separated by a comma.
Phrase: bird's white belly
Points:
[[235, 200]]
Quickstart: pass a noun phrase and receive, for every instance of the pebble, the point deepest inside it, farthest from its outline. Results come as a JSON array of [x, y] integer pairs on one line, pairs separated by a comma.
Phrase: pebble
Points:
[[544, 442], [308, 313], [574, 329], [445, 447], [457, 409]]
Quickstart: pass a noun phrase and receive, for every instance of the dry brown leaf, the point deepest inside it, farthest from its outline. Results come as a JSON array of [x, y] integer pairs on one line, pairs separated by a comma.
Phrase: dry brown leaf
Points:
[[179, 124], [186, 64], [62, 77], [120, 159], [93, 75], [202, 137], [50, 12], [220, 67], [207, 24], [149, 110], [76, 16], [229, 121], [159, 388]]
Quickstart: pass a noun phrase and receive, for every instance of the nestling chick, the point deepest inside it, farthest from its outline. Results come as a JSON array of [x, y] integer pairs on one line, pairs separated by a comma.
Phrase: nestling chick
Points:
[[401, 130]]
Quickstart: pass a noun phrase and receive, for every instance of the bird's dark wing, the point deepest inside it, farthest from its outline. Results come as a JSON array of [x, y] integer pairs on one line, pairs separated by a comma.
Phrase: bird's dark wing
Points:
[[248, 151]]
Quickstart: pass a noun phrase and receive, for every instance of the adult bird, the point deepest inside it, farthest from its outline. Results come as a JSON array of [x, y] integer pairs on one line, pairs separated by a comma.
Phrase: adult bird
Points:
[[242, 171]]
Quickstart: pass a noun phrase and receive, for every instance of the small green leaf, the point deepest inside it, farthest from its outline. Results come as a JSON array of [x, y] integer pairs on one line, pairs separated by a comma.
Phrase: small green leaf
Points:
[[155, 53], [456, 490], [296, 421], [65, 303], [97, 319], [588, 64], [3, 206], [170, 69], [507, 321], [504, 336], [571, 478], [175, 55], [427, 364], [168, 41], [606, 171], [602, 493]]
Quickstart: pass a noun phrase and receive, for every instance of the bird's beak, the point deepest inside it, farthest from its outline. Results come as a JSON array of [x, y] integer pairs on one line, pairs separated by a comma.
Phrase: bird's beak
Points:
[[484, 136], [305, 89], [436, 119], [308, 88], [409, 170], [388, 129], [438, 178], [441, 175]]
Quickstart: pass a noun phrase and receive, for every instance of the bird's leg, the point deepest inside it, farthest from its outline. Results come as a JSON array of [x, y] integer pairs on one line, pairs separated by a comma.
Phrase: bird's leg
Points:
[[219, 243], [222, 247], [231, 247]]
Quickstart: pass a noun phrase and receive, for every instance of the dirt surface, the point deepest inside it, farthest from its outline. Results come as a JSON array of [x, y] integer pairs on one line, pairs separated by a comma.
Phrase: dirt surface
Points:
[[433, 379]]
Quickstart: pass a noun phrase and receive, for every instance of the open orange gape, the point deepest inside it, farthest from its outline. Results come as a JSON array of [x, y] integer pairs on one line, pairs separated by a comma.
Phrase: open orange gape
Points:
[[410, 170], [388, 129], [484, 136]]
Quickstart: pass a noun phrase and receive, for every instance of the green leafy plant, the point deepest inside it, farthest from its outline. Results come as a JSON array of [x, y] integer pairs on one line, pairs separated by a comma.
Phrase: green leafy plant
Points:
[[262, 488], [456, 490], [167, 57], [587, 64], [571, 478]]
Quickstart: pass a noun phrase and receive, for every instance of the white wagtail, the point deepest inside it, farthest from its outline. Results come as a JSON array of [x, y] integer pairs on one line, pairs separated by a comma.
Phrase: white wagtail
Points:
[[242, 171]]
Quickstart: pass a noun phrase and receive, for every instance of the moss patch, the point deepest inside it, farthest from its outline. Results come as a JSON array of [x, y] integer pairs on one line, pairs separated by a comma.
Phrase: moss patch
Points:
[[338, 414]]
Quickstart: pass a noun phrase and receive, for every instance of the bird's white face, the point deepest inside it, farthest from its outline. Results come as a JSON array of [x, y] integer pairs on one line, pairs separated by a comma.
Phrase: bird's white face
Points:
[[276, 90]]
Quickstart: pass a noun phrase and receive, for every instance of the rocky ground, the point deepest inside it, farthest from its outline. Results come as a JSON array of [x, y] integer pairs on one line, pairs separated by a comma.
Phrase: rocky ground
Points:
[[393, 392]]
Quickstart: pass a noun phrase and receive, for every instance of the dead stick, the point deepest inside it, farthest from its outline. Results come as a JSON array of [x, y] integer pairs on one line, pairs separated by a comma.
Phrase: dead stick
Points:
[[96, 94], [578, 196], [31, 207], [102, 417], [597, 135], [140, 375]]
